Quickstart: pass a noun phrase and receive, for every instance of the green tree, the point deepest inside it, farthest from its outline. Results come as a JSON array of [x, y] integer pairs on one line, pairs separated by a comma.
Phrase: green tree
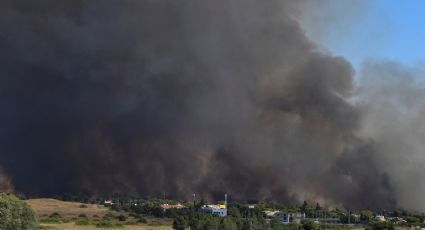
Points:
[[196, 224], [304, 207], [179, 223], [15, 214], [380, 225], [211, 224], [196, 221], [413, 221], [293, 226], [234, 211], [309, 225], [366, 215], [276, 225], [228, 223], [318, 207]]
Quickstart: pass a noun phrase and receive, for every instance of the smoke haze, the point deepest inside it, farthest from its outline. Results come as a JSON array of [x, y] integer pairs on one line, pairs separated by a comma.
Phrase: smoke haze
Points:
[[153, 96]]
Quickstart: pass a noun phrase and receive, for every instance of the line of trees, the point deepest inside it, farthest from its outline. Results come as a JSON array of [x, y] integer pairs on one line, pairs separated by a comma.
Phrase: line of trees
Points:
[[239, 217], [242, 217]]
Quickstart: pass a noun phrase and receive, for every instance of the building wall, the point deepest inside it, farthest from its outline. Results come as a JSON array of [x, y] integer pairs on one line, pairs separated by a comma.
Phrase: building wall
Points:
[[218, 211], [285, 218]]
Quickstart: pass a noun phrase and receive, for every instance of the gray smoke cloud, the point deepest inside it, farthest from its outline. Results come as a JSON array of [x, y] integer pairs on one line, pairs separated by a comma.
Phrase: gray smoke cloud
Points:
[[6, 185], [153, 96], [391, 97]]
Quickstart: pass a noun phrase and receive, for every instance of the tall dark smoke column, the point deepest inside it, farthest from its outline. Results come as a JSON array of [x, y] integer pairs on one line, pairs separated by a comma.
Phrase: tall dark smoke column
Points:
[[141, 97]]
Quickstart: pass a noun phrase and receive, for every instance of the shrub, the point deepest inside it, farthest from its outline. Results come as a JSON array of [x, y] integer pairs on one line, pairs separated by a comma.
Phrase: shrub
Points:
[[82, 221], [55, 215], [43, 227], [130, 222], [308, 225], [16, 214], [83, 206], [96, 217], [52, 218], [141, 219], [122, 217], [107, 224], [380, 225], [179, 223], [108, 216]]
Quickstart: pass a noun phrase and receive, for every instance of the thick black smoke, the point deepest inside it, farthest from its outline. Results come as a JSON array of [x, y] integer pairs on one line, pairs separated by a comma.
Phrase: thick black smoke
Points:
[[152, 96]]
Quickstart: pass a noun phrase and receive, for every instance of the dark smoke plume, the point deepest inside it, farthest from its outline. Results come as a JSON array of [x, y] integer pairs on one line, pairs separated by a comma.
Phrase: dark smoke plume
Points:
[[6, 185], [152, 96]]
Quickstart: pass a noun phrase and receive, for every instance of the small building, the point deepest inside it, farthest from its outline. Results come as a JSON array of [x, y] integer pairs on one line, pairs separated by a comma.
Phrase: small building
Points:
[[380, 218], [220, 210], [329, 220], [286, 217], [108, 202], [271, 214]]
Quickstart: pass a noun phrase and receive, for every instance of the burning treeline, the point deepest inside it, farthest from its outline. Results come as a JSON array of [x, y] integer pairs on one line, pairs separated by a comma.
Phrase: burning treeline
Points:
[[142, 97]]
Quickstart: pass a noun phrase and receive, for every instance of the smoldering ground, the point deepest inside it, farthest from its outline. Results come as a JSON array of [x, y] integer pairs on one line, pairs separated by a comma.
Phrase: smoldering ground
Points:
[[153, 96]]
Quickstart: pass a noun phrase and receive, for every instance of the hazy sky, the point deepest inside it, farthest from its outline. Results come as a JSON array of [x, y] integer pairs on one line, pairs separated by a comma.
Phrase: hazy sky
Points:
[[372, 29]]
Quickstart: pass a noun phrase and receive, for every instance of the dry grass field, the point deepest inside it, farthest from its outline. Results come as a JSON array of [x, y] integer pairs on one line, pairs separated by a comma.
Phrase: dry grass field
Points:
[[68, 210], [72, 226]]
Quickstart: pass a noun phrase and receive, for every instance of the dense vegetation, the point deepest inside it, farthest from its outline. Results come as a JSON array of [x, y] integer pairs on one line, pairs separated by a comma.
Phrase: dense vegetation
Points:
[[130, 210], [15, 214], [240, 217]]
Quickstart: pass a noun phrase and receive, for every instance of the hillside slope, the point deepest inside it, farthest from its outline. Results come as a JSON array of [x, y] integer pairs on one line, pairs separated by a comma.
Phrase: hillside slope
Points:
[[68, 210]]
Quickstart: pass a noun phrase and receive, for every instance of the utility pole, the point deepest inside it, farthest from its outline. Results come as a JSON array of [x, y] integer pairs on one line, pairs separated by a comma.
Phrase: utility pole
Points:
[[326, 222], [349, 216]]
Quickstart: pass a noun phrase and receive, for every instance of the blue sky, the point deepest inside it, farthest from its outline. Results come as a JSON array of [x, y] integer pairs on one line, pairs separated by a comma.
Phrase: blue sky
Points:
[[380, 29]]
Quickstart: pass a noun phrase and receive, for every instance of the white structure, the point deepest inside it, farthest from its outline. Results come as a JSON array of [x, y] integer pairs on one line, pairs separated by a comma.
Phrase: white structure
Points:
[[108, 202], [219, 209], [271, 214], [380, 218], [286, 218]]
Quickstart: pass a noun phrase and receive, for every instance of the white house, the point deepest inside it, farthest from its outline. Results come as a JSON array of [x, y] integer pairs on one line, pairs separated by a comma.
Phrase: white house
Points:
[[219, 209], [286, 218], [108, 202], [380, 218]]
